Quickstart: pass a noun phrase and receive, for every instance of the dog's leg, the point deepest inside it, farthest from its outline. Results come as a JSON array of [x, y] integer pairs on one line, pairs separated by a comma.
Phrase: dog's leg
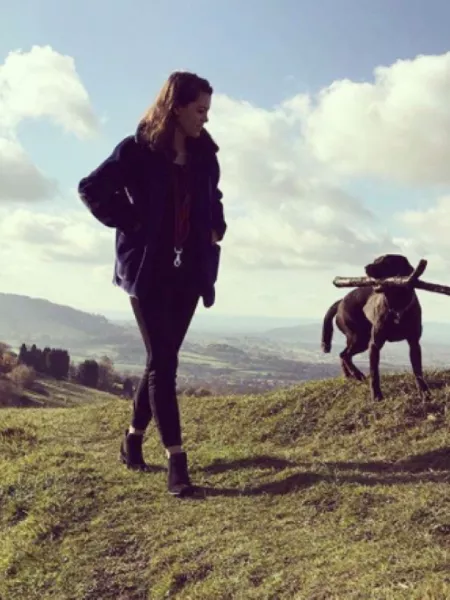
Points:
[[377, 342], [359, 345], [348, 366], [345, 369], [415, 355], [355, 345], [343, 356]]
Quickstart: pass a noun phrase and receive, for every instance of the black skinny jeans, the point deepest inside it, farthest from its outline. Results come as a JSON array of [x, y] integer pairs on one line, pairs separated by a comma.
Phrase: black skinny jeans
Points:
[[163, 318]]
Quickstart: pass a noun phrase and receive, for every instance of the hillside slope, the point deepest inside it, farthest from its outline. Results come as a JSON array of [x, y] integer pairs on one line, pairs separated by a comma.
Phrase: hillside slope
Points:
[[311, 493], [35, 320], [47, 392]]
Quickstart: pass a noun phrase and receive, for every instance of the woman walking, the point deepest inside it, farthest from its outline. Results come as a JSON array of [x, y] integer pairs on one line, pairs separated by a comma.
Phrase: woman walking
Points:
[[159, 190]]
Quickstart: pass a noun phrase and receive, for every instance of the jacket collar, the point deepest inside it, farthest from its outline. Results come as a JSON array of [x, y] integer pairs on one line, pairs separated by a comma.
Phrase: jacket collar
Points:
[[203, 145]]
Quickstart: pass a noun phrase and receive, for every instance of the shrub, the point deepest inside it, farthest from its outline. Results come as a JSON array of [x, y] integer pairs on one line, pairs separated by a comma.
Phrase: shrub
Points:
[[128, 387], [7, 392], [8, 361], [88, 373], [23, 376]]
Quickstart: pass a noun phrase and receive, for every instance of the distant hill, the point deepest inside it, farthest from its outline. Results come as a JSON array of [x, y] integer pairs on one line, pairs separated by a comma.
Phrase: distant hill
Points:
[[225, 350], [35, 320], [305, 332], [273, 358], [433, 333], [435, 343], [221, 363]]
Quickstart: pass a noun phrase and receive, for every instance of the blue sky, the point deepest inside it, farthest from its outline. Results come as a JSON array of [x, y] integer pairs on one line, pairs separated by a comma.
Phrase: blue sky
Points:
[[247, 48], [260, 52], [257, 51]]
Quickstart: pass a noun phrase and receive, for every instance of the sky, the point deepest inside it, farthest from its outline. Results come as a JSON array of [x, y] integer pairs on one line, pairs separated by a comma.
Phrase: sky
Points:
[[332, 117]]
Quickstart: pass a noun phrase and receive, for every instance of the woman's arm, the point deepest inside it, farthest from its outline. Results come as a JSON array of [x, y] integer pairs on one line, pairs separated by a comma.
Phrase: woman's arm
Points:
[[104, 192], [217, 213]]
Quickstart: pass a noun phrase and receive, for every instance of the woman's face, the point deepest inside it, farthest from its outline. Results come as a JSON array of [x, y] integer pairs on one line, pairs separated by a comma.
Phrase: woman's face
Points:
[[192, 118]]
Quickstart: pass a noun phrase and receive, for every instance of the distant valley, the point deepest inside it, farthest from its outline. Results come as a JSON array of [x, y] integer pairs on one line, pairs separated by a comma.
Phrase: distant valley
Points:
[[225, 356]]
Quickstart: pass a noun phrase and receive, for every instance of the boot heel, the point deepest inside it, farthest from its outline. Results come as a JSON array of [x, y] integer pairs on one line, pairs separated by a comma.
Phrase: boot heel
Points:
[[131, 452], [178, 482]]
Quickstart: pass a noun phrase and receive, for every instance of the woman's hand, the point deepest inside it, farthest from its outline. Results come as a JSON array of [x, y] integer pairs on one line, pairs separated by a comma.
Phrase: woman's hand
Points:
[[214, 237]]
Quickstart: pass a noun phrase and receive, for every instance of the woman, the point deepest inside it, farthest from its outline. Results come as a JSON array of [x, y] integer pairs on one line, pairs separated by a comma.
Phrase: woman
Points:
[[159, 190]]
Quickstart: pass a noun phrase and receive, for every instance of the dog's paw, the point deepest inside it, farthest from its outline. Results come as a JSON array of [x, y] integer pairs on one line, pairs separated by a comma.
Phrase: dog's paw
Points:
[[425, 395]]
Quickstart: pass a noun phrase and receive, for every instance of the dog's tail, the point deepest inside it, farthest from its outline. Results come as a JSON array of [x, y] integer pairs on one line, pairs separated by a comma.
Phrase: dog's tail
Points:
[[327, 328]]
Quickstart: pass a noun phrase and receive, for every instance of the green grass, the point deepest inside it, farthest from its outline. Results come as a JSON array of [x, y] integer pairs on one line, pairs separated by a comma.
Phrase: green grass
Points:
[[50, 393], [311, 493]]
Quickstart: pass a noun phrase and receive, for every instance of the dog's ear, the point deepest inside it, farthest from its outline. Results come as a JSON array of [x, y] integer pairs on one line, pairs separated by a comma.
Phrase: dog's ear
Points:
[[375, 269], [406, 267], [398, 265], [389, 265]]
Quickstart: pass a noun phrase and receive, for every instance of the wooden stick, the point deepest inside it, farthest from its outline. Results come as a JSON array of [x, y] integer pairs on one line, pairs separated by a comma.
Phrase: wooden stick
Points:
[[388, 282], [432, 287], [418, 271], [437, 288], [410, 280], [368, 281]]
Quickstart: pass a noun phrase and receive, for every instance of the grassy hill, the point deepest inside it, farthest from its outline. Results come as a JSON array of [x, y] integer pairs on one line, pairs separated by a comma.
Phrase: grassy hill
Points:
[[47, 393], [311, 493]]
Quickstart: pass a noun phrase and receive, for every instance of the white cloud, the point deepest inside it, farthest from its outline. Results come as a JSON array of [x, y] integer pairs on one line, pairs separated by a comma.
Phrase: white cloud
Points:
[[293, 226], [20, 179], [270, 242], [71, 237], [66, 257], [43, 83], [286, 209], [396, 128], [285, 170], [37, 84], [430, 224], [428, 235]]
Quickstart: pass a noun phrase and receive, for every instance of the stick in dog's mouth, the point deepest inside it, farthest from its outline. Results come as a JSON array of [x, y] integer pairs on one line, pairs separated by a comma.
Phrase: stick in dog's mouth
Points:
[[391, 282]]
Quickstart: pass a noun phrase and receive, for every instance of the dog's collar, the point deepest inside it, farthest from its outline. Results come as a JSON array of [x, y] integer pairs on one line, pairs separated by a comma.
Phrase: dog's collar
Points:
[[398, 314]]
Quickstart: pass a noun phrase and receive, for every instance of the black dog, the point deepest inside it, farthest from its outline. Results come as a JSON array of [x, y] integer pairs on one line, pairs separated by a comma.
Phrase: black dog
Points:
[[370, 318]]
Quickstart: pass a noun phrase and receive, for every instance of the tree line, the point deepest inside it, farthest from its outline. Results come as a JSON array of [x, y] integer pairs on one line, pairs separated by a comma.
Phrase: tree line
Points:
[[23, 367], [56, 362], [49, 361]]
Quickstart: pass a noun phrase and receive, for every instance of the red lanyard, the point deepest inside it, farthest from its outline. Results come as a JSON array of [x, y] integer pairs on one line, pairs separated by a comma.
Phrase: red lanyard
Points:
[[182, 203]]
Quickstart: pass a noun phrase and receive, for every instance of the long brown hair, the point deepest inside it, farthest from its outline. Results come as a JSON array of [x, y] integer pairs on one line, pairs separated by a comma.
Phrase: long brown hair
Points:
[[157, 126]]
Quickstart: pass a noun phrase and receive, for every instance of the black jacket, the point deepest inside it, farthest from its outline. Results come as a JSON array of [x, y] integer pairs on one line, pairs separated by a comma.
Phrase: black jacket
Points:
[[127, 192]]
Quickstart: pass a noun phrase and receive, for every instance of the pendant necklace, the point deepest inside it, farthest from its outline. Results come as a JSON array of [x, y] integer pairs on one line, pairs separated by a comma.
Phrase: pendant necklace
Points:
[[182, 214]]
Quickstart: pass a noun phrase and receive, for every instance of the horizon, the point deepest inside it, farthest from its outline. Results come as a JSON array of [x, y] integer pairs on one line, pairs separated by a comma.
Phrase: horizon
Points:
[[209, 321], [331, 153]]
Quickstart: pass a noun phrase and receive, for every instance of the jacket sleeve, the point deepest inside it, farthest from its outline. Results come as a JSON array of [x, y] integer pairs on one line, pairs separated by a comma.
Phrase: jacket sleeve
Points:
[[104, 191], [217, 212]]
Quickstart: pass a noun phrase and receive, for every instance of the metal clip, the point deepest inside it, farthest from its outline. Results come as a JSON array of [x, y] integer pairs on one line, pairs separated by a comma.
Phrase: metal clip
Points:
[[177, 261]]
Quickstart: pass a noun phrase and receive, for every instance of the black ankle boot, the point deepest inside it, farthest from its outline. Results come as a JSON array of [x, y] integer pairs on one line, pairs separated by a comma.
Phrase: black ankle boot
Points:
[[131, 452], [179, 483]]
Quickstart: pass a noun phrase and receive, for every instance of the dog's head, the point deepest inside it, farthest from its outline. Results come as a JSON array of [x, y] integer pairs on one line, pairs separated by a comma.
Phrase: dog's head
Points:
[[389, 265]]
